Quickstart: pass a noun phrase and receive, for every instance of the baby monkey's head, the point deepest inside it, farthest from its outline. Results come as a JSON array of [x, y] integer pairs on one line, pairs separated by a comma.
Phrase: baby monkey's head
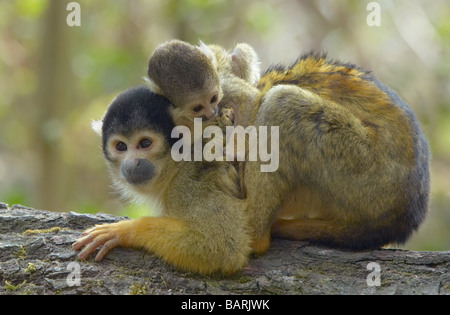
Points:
[[195, 78], [187, 76]]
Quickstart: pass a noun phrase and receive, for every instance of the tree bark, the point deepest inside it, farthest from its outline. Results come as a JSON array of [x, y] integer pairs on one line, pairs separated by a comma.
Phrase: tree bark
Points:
[[36, 257]]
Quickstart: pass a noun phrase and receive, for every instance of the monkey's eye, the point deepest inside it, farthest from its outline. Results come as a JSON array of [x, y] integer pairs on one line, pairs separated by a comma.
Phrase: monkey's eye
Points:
[[213, 99], [146, 143], [197, 108], [121, 146]]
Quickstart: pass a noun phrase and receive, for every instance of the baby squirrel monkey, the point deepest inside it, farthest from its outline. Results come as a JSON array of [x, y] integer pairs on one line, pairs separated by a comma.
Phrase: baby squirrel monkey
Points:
[[197, 86], [353, 161], [194, 78], [202, 226]]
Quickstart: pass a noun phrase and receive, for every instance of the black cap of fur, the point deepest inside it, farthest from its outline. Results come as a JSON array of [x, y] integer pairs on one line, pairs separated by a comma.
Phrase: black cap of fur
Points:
[[137, 109]]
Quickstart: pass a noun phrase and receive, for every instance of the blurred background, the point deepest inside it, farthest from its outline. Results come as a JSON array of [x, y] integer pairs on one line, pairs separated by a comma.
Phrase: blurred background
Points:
[[54, 79]]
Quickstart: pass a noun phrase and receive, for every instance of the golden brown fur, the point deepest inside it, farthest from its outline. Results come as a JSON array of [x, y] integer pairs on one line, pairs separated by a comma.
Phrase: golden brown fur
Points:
[[353, 160]]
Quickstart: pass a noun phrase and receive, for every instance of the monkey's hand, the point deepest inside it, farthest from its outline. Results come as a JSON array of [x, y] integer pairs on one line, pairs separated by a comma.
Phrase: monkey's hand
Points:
[[228, 115], [225, 117], [108, 235]]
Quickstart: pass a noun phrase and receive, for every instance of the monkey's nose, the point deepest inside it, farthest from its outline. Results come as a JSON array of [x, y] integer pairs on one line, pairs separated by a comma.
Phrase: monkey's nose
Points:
[[137, 171], [211, 113]]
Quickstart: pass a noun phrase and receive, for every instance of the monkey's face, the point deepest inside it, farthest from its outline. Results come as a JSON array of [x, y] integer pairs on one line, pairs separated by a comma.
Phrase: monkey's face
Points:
[[136, 160], [136, 138], [187, 75], [198, 105]]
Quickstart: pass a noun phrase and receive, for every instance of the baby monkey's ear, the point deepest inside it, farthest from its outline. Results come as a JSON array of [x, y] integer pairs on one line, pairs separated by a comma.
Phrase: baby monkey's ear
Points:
[[97, 125], [153, 86], [245, 63], [206, 50]]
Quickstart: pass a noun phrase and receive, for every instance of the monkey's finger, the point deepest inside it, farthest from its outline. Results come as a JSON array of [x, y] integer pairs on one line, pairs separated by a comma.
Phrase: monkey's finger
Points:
[[98, 231], [94, 228], [106, 248], [89, 249], [87, 232], [82, 241], [93, 245]]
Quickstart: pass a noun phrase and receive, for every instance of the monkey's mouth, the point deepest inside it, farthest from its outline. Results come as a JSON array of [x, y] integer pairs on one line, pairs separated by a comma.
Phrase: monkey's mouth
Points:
[[206, 119]]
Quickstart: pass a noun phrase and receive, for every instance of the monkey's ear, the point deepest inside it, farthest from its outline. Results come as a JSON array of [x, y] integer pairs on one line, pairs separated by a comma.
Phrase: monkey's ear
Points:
[[153, 86], [206, 50], [97, 125], [245, 63]]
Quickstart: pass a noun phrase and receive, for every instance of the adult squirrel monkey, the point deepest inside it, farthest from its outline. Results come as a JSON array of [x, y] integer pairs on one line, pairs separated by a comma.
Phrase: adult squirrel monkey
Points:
[[353, 161], [202, 224]]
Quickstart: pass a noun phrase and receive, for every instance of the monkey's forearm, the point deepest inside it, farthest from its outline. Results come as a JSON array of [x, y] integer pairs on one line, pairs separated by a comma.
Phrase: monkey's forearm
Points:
[[169, 238]]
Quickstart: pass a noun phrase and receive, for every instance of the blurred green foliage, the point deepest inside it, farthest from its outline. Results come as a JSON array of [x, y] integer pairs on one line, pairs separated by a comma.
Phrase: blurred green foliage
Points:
[[54, 79]]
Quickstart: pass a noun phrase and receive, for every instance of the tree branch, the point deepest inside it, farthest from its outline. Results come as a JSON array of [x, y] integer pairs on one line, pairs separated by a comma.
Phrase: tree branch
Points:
[[36, 257]]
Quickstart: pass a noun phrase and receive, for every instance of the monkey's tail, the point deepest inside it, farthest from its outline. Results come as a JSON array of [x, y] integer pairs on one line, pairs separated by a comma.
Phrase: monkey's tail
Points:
[[353, 236]]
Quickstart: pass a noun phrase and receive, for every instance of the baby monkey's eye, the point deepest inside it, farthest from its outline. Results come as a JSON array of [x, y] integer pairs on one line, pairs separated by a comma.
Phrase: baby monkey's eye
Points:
[[146, 143], [121, 146], [214, 99], [197, 108]]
